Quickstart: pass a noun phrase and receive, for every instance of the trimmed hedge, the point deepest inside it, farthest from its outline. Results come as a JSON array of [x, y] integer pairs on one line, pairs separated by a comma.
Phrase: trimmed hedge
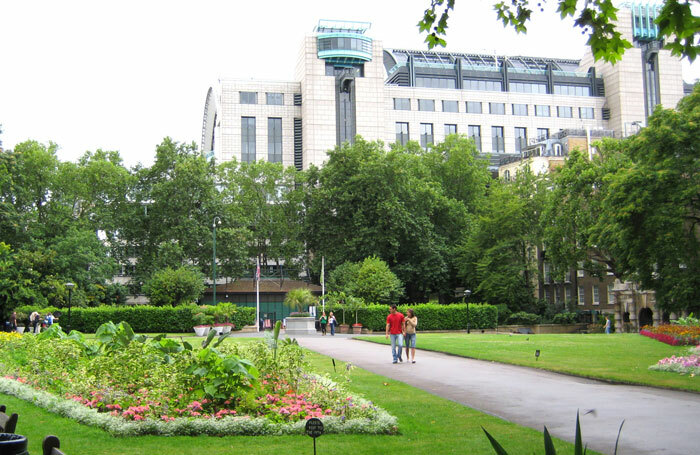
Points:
[[145, 318], [431, 316], [524, 318]]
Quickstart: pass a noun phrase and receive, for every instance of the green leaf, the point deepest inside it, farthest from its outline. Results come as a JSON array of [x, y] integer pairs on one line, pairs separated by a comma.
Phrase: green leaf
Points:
[[496, 446], [548, 444]]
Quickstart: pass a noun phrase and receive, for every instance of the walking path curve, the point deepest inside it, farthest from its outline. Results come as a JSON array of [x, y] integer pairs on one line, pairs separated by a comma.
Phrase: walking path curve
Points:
[[657, 421]]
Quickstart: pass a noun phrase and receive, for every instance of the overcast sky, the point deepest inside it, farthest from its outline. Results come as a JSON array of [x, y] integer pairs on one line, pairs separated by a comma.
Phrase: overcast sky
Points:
[[123, 75]]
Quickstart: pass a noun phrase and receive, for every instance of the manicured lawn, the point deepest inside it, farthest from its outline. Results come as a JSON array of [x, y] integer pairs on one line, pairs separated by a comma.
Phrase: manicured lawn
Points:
[[428, 425], [616, 357]]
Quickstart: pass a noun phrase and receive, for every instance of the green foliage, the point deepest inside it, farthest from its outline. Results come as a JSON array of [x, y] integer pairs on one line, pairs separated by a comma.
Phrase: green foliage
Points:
[[300, 299], [687, 320], [678, 26], [370, 280], [174, 286], [431, 316], [523, 318], [564, 318]]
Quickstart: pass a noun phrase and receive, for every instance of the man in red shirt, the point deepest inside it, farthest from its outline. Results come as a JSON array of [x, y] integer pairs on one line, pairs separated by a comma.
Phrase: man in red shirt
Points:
[[394, 327]]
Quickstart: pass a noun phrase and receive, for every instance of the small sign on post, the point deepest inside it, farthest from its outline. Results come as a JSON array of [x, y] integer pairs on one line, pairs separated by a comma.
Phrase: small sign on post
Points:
[[314, 428]]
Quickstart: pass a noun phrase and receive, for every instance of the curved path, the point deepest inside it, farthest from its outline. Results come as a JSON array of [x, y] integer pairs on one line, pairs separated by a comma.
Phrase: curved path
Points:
[[657, 421]]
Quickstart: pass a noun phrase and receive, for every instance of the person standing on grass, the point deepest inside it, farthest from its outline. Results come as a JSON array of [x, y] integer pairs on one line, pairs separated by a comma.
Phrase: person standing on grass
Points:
[[409, 328], [394, 327], [607, 325]]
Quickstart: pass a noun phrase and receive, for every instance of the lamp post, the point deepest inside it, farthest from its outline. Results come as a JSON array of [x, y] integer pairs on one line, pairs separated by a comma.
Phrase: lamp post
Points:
[[467, 293], [70, 287], [217, 221]]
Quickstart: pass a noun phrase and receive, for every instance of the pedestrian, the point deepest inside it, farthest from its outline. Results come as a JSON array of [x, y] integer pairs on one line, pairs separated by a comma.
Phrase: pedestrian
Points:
[[49, 320], [607, 325], [394, 327], [13, 321], [332, 322], [322, 322], [35, 320], [409, 328]]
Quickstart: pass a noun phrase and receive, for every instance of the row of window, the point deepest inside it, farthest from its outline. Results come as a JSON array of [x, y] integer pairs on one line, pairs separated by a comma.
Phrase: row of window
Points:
[[271, 98], [581, 294], [476, 107], [274, 139], [473, 131], [497, 86]]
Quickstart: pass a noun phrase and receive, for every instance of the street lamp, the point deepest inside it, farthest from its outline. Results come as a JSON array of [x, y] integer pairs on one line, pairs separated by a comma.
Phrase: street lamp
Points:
[[217, 221], [70, 287], [467, 293]]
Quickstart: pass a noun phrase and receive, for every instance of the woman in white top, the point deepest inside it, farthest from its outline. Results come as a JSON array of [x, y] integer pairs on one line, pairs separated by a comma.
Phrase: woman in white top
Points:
[[409, 328]]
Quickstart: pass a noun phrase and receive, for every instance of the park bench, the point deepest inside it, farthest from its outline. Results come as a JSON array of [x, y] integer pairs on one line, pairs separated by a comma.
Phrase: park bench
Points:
[[8, 424], [526, 331], [51, 446]]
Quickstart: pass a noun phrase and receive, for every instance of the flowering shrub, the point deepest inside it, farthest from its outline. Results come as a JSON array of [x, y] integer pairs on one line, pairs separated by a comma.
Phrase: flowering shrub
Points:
[[673, 334], [8, 336], [684, 365], [220, 389]]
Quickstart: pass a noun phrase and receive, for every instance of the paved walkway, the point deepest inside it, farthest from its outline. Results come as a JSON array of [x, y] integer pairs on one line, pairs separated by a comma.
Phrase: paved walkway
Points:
[[656, 421]]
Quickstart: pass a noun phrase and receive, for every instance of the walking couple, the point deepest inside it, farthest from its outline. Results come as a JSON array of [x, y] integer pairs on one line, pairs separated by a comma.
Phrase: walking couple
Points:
[[400, 328]]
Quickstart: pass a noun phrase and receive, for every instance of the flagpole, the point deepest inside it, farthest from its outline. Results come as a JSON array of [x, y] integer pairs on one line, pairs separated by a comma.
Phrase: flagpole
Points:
[[323, 282], [257, 293]]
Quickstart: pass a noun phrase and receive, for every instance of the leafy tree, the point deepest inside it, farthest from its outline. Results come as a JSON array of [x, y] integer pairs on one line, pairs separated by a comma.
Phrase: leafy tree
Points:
[[678, 26], [174, 286], [370, 280], [652, 210]]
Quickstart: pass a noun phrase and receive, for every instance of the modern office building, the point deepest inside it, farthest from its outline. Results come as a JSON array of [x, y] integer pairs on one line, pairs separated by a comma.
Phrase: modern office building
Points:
[[348, 84]]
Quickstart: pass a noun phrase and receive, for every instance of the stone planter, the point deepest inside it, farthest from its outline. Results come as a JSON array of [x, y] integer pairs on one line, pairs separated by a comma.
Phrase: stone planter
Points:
[[223, 328], [20, 329], [202, 330], [13, 444], [344, 328], [301, 326], [356, 329]]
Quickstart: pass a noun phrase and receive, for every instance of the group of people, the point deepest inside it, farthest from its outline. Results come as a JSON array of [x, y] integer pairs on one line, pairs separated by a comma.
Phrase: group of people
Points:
[[325, 321], [35, 321], [402, 329]]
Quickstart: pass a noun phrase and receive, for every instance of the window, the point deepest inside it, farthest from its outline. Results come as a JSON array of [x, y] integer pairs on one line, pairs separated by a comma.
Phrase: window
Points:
[[572, 90], [474, 107], [506, 175], [557, 295], [585, 112], [450, 106], [546, 295], [547, 273], [426, 134], [426, 105], [497, 144], [247, 139], [450, 129], [497, 108], [567, 293], [520, 139], [558, 152], [474, 132], [541, 111], [249, 98], [493, 86], [542, 134], [527, 87], [581, 295], [611, 294], [519, 109], [435, 82], [402, 132], [596, 295], [567, 276], [564, 112], [402, 104], [274, 140], [579, 272], [276, 99]]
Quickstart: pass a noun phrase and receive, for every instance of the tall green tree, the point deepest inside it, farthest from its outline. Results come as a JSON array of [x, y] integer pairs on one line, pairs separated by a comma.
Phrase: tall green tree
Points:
[[370, 280]]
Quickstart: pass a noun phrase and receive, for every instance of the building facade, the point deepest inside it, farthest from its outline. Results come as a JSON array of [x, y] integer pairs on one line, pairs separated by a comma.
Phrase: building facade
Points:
[[347, 84]]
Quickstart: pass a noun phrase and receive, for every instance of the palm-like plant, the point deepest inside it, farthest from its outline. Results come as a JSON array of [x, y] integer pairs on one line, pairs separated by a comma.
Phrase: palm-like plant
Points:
[[299, 299]]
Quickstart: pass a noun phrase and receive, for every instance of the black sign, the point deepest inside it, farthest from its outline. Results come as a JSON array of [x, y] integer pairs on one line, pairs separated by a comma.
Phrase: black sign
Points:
[[314, 427]]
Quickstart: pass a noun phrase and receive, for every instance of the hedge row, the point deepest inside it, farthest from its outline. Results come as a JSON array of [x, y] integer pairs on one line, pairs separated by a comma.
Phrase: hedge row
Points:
[[144, 318], [431, 316]]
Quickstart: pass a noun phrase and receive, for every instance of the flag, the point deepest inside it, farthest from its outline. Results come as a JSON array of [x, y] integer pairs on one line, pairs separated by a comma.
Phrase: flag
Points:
[[323, 270], [257, 273]]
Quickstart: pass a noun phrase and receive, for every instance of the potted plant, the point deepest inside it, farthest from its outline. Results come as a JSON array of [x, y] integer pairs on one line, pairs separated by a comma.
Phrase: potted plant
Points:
[[300, 322], [21, 317], [203, 323], [355, 304], [223, 313]]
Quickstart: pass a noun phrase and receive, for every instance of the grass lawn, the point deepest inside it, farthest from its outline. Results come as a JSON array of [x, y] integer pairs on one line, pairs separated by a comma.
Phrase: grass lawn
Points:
[[428, 425], [618, 357]]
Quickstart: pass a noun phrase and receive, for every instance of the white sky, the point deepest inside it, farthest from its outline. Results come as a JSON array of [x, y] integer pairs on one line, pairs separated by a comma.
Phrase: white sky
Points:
[[122, 75]]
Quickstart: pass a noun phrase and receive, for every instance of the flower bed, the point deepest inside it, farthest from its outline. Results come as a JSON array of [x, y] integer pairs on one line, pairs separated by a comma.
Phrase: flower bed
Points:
[[684, 365], [673, 334], [128, 385]]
